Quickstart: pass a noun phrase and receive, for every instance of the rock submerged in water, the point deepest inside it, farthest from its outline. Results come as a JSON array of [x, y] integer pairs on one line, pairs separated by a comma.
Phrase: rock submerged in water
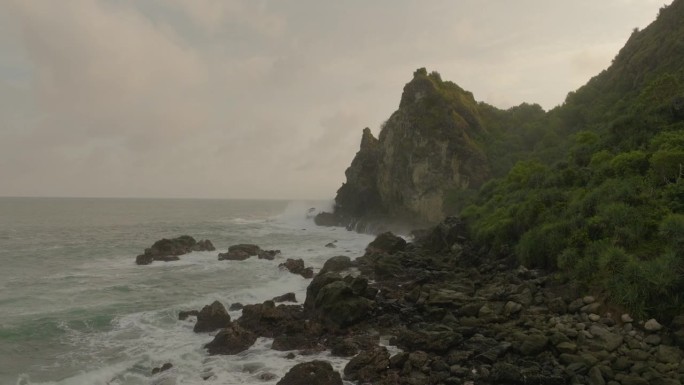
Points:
[[162, 368], [184, 314], [169, 249], [296, 266], [231, 340], [243, 251], [311, 373]]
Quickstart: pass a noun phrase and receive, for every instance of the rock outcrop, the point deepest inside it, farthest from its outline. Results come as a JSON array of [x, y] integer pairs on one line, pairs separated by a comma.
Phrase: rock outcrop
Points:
[[429, 148], [245, 250], [212, 317], [169, 249]]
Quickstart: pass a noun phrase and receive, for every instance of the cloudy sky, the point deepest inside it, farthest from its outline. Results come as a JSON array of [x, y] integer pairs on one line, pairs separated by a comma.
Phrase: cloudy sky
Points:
[[256, 98]]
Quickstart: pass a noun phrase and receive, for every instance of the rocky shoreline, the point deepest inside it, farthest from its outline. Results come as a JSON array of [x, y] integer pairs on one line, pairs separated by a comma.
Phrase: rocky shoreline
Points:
[[454, 319]]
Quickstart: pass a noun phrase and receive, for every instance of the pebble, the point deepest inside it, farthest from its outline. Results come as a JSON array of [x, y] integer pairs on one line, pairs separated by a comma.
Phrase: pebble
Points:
[[588, 299], [626, 318], [594, 317]]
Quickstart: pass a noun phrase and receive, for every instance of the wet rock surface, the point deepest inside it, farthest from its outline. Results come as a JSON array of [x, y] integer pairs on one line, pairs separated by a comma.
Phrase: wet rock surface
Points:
[[243, 251], [311, 373], [170, 249], [456, 318], [212, 317], [296, 266], [231, 340]]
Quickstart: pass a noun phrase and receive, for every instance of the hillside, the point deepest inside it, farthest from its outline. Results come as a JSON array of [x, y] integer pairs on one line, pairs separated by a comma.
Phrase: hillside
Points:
[[593, 189]]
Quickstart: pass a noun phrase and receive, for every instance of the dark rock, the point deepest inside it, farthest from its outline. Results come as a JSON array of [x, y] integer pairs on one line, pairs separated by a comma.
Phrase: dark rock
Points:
[[169, 249], [337, 305], [266, 376], [268, 320], [162, 368], [344, 348], [268, 254], [386, 243], [287, 297], [437, 341], [595, 377], [311, 373], [444, 236], [293, 342], [240, 252], [336, 264], [205, 245], [236, 306], [532, 344], [315, 286], [183, 314], [505, 373], [368, 366], [296, 266], [231, 340], [330, 245], [212, 317]]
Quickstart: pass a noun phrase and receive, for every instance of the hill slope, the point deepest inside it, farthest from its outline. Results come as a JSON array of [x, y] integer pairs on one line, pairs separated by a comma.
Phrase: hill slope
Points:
[[593, 188]]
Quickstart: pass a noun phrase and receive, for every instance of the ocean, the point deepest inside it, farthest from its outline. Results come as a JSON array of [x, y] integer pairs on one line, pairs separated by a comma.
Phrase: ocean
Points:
[[76, 309]]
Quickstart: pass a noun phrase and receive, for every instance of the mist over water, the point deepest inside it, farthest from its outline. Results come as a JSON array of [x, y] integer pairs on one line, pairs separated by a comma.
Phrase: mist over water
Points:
[[76, 309]]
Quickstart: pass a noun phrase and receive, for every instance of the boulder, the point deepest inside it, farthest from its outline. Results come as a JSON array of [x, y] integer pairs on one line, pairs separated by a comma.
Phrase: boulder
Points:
[[231, 340], [311, 373], [296, 266], [240, 252], [652, 325], [169, 249], [337, 304], [287, 297], [212, 317], [444, 236], [368, 366], [269, 320], [336, 264], [184, 314], [268, 254], [162, 368], [386, 243], [435, 340], [293, 342], [344, 348], [315, 286]]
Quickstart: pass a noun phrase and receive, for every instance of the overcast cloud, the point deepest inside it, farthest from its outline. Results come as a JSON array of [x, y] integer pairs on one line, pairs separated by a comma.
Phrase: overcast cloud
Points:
[[261, 99]]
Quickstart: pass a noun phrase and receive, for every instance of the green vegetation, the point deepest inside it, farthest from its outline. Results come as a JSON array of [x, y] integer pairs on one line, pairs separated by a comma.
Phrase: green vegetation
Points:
[[594, 189]]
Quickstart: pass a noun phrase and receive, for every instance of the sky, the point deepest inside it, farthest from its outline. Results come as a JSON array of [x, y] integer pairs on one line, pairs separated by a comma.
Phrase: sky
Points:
[[261, 99]]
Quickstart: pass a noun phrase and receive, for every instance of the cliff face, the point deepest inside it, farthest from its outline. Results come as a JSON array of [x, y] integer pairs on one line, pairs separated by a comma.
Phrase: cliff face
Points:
[[359, 196], [427, 148]]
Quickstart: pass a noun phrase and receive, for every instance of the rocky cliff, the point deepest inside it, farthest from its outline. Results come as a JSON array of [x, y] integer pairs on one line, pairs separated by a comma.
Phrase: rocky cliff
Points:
[[428, 148]]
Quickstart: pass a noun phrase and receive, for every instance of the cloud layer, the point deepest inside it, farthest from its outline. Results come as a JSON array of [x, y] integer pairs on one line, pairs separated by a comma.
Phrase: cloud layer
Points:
[[260, 99]]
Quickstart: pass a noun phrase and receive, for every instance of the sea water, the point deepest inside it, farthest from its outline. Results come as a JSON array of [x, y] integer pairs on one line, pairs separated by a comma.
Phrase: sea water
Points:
[[76, 309]]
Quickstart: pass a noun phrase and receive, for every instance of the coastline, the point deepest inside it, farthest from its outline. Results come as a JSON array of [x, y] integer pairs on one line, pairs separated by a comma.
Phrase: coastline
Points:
[[450, 317]]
